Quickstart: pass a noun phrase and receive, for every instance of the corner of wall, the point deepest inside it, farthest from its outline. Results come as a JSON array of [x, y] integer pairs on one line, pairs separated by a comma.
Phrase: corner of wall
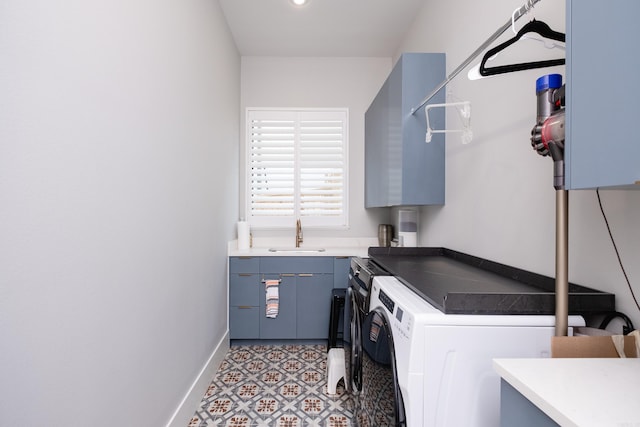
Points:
[[193, 397]]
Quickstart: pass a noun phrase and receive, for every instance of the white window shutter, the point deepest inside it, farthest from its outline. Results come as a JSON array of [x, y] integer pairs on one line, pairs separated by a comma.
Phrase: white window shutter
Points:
[[297, 167]]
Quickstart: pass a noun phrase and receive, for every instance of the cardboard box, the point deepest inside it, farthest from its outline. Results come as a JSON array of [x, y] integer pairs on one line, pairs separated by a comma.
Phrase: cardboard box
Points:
[[592, 346]]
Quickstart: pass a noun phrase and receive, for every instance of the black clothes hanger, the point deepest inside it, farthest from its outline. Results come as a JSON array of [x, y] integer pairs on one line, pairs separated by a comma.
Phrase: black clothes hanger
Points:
[[532, 26]]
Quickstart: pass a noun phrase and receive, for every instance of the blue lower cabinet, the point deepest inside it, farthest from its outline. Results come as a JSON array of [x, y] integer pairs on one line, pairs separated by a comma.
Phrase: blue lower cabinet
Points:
[[518, 411], [304, 296]]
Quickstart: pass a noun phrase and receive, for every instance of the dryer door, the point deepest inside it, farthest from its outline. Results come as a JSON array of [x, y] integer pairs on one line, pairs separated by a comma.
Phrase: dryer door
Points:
[[380, 402], [352, 343]]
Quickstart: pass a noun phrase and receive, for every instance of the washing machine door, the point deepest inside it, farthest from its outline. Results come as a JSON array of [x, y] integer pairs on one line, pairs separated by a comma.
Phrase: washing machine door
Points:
[[380, 400], [352, 343]]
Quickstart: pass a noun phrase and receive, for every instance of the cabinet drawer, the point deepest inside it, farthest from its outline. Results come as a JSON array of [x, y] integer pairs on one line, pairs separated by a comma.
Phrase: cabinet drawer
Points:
[[244, 322], [244, 289], [302, 264], [242, 264]]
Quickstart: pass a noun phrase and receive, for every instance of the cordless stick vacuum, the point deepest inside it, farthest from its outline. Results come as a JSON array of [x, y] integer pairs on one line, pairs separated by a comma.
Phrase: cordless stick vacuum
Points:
[[547, 139]]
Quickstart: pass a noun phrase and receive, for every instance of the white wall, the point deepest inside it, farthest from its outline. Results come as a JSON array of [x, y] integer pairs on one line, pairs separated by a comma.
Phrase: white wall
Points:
[[500, 200], [315, 83], [118, 127]]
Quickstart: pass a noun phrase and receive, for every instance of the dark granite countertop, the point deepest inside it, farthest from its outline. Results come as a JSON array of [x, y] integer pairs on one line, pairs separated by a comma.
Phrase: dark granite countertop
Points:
[[457, 283]]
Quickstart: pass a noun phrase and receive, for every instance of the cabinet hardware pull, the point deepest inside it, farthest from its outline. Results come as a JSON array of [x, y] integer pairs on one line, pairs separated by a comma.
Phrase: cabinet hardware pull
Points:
[[245, 257], [244, 307], [245, 274], [306, 275], [342, 257], [287, 275]]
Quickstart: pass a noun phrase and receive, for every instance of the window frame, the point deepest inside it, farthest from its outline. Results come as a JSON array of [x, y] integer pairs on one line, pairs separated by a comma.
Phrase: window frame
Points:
[[339, 222]]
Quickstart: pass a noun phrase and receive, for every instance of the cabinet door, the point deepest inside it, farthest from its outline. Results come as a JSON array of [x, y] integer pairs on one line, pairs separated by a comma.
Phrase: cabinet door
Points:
[[379, 130], [244, 323], [517, 410], [602, 91], [244, 289], [283, 326], [400, 167], [314, 304], [341, 272]]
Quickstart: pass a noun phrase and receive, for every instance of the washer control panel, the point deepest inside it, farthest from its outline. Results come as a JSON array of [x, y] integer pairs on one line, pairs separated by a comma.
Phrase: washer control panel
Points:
[[401, 321], [403, 324], [386, 301]]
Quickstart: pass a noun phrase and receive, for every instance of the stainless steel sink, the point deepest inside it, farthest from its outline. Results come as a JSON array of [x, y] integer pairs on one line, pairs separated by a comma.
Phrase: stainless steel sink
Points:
[[297, 250]]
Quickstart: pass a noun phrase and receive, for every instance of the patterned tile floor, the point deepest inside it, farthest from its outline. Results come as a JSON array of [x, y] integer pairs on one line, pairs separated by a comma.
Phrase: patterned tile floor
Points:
[[273, 386]]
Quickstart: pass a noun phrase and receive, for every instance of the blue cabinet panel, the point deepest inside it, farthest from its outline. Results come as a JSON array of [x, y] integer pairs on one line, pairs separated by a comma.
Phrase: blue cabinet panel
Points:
[[243, 289], [244, 323], [602, 89], [341, 272], [517, 411], [400, 167], [239, 264], [314, 305], [297, 264]]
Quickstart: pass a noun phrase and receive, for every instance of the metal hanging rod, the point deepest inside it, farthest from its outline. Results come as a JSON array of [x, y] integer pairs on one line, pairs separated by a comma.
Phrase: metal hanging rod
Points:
[[517, 15]]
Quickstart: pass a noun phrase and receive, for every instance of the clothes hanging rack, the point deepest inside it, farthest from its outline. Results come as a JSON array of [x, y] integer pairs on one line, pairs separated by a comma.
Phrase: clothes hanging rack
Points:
[[517, 15], [464, 112]]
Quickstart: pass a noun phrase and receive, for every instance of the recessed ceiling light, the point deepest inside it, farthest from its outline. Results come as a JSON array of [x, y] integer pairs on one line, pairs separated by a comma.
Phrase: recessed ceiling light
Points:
[[299, 2]]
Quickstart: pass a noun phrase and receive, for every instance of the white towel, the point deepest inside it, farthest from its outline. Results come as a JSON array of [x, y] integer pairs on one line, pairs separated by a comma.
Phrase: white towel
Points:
[[376, 324], [272, 298]]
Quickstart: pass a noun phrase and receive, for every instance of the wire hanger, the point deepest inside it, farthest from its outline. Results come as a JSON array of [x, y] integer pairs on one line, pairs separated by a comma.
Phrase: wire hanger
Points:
[[534, 26]]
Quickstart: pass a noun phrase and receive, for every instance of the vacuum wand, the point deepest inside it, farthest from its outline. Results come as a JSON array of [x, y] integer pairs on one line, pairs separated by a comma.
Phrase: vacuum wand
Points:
[[547, 139]]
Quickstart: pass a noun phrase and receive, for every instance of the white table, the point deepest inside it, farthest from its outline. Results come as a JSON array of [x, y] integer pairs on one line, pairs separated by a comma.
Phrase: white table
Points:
[[578, 392]]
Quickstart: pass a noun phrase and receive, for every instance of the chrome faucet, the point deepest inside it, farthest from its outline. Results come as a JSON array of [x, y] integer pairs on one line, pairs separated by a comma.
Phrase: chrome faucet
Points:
[[298, 233]]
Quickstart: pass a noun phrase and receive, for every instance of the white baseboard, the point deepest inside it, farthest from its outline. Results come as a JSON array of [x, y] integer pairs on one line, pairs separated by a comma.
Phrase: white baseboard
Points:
[[192, 399]]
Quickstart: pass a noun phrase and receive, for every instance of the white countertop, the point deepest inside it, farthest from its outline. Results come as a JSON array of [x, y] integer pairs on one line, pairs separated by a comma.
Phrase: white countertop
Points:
[[578, 392], [332, 247]]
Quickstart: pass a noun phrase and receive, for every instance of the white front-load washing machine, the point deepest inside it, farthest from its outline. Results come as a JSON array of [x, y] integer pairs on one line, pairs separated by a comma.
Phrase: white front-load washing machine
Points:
[[426, 368]]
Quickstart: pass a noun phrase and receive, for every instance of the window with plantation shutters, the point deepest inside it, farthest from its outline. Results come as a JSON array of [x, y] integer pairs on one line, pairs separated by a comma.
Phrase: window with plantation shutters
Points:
[[296, 163]]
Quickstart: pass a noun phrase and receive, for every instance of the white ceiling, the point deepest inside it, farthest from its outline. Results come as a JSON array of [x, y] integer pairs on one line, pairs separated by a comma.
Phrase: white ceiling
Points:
[[320, 28]]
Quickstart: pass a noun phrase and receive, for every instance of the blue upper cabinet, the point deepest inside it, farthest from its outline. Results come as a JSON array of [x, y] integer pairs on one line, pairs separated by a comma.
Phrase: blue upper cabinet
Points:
[[400, 167], [603, 94]]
